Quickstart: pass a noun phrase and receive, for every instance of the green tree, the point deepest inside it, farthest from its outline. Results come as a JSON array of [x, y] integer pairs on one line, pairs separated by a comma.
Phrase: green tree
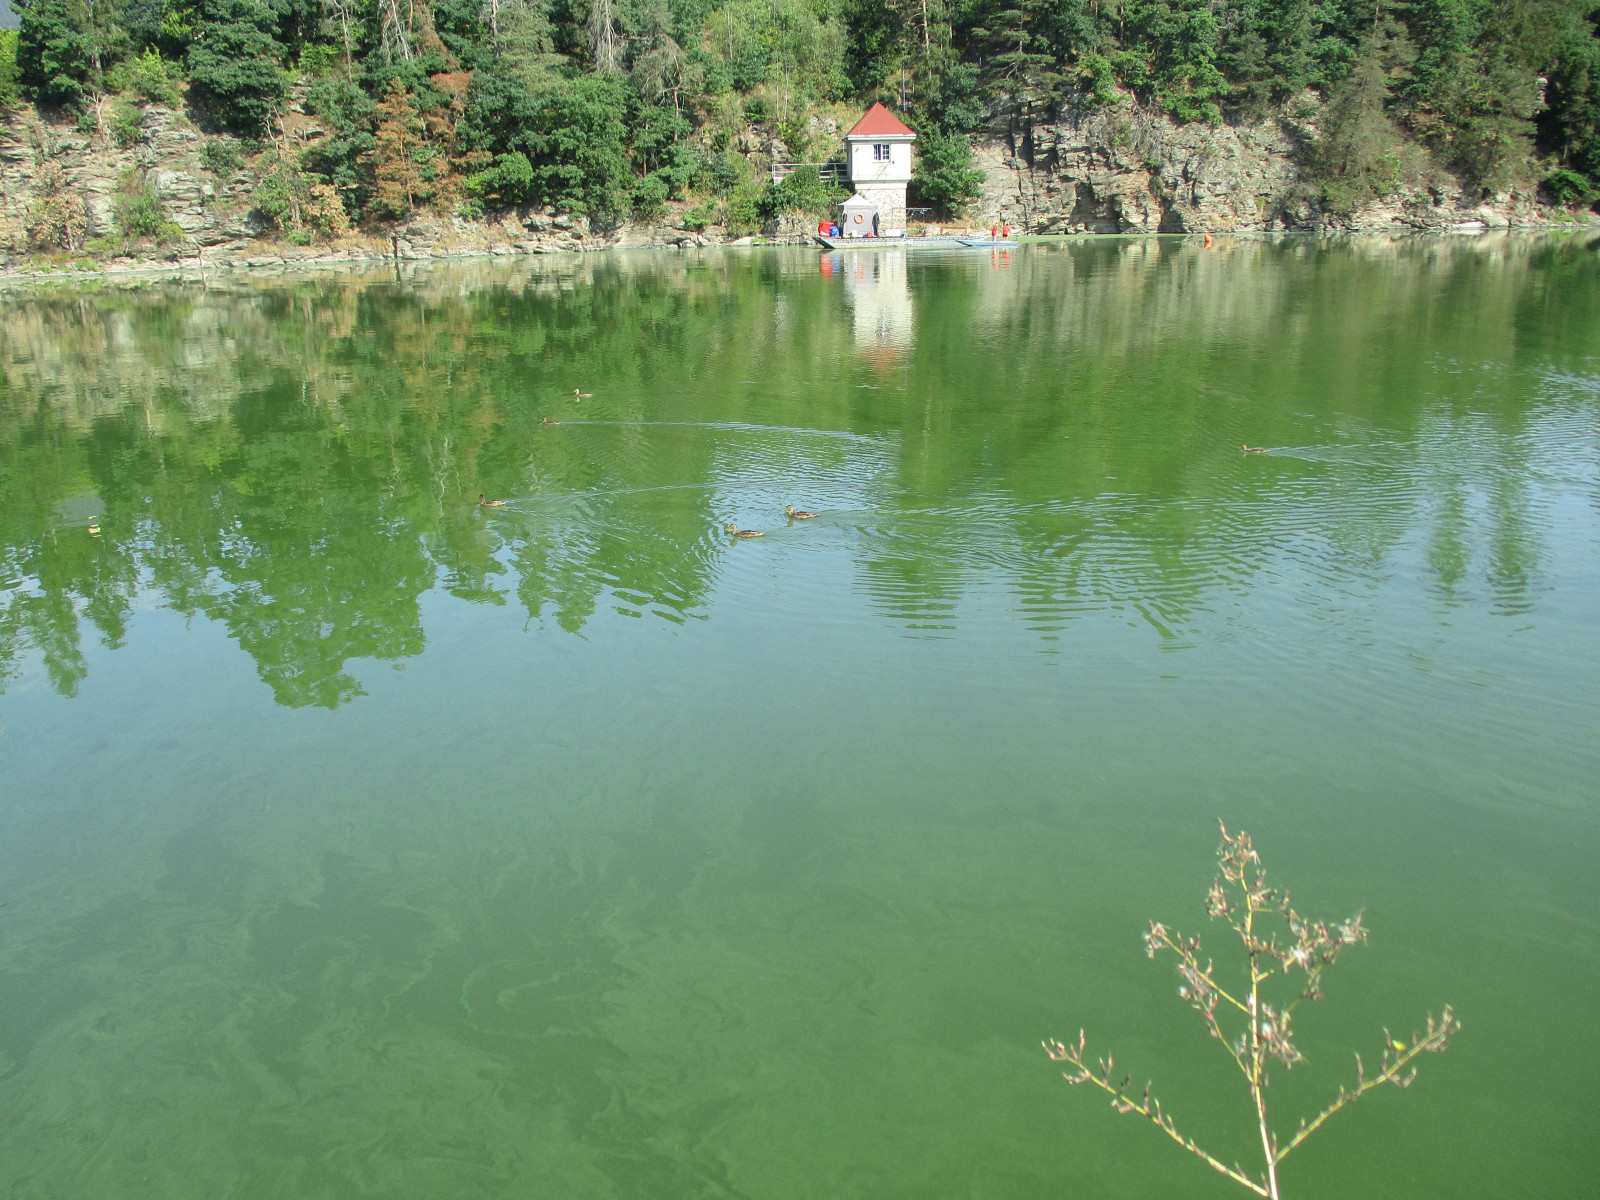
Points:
[[509, 180], [1479, 117], [1571, 122], [944, 176], [233, 66], [1023, 65], [1445, 32], [875, 44], [55, 54], [579, 152], [661, 70], [10, 81], [1182, 41], [1358, 154], [571, 131], [522, 42], [346, 112]]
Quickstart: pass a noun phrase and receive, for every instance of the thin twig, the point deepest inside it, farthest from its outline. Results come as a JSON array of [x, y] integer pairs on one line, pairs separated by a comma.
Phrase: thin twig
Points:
[[1146, 1107], [1436, 1039]]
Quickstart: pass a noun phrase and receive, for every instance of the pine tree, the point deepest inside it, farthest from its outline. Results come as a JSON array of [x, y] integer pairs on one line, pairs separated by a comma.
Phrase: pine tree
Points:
[[1016, 55], [396, 175], [1358, 154]]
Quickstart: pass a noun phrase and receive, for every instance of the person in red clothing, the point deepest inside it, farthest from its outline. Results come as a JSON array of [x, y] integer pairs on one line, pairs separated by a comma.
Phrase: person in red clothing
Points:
[[1005, 231], [994, 231]]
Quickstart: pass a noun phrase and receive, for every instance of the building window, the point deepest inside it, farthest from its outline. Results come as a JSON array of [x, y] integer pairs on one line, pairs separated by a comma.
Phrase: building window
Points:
[[880, 152]]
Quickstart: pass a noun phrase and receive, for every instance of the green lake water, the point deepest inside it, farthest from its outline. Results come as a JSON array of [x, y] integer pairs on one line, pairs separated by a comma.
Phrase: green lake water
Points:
[[358, 841]]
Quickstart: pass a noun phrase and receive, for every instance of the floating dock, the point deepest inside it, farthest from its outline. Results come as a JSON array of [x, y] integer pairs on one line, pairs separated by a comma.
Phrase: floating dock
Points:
[[913, 243]]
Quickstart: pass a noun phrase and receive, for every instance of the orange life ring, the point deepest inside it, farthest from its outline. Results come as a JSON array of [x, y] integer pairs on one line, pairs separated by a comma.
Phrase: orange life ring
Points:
[[860, 219]]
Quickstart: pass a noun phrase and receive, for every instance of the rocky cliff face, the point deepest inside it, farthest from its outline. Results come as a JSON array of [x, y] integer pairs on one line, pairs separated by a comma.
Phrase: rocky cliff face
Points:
[[1130, 171], [1118, 171], [211, 211], [214, 212]]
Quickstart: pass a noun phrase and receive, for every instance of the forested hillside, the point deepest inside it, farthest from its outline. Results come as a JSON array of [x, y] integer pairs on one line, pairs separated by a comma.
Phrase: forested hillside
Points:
[[366, 110]]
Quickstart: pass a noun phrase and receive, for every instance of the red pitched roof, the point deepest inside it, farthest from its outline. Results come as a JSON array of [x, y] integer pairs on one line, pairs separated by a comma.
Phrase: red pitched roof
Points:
[[880, 122]]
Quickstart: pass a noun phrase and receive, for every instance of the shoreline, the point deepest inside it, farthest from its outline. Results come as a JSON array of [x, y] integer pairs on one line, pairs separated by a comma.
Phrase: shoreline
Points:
[[279, 258]]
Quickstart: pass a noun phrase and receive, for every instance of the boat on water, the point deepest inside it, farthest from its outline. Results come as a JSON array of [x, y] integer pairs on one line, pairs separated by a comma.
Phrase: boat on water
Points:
[[913, 243]]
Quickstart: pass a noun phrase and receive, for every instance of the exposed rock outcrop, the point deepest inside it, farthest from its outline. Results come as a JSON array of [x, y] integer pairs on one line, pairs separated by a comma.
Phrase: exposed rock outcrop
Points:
[[211, 211], [215, 213], [1119, 170], [1126, 170]]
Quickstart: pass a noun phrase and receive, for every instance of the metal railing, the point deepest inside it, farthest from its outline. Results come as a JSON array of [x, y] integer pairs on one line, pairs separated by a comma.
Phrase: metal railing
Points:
[[832, 172]]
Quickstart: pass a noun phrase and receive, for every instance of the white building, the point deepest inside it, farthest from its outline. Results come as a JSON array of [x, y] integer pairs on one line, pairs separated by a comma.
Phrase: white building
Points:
[[878, 150]]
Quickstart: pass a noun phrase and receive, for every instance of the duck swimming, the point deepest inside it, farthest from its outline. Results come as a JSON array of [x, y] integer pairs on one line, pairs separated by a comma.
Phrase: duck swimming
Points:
[[735, 531], [548, 421], [482, 503], [1253, 449], [581, 395], [800, 515]]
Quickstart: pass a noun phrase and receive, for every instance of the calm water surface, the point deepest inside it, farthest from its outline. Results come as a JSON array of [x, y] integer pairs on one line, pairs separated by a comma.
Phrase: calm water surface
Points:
[[356, 841]]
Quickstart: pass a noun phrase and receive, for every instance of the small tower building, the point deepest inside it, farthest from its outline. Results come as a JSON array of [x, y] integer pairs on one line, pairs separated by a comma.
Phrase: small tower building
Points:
[[878, 150]]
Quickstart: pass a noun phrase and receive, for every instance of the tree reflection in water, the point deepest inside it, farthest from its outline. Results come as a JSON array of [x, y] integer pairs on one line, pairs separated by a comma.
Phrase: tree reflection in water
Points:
[[297, 458]]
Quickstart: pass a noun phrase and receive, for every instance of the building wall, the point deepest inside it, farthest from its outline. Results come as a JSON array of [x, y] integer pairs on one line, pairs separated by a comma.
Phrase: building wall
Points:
[[864, 170], [891, 201]]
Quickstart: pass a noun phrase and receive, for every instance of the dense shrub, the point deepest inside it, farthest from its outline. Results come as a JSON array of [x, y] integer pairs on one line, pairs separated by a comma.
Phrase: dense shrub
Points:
[[508, 181], [281, 196], [137, 208], [221, 157], [147, 77], [650, 197], [126, 124], [58, 216], [1569, 188], [743, 210]]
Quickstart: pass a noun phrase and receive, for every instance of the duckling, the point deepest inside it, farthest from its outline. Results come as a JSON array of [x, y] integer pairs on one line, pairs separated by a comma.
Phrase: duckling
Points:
[[801, 515], [735, 531], [548, 421], [581, 395], [482, 503], [1253, 449]]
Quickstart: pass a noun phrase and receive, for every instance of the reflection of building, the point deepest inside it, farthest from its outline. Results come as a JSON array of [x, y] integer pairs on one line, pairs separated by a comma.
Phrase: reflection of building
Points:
[[880, 302], [879, 152]]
